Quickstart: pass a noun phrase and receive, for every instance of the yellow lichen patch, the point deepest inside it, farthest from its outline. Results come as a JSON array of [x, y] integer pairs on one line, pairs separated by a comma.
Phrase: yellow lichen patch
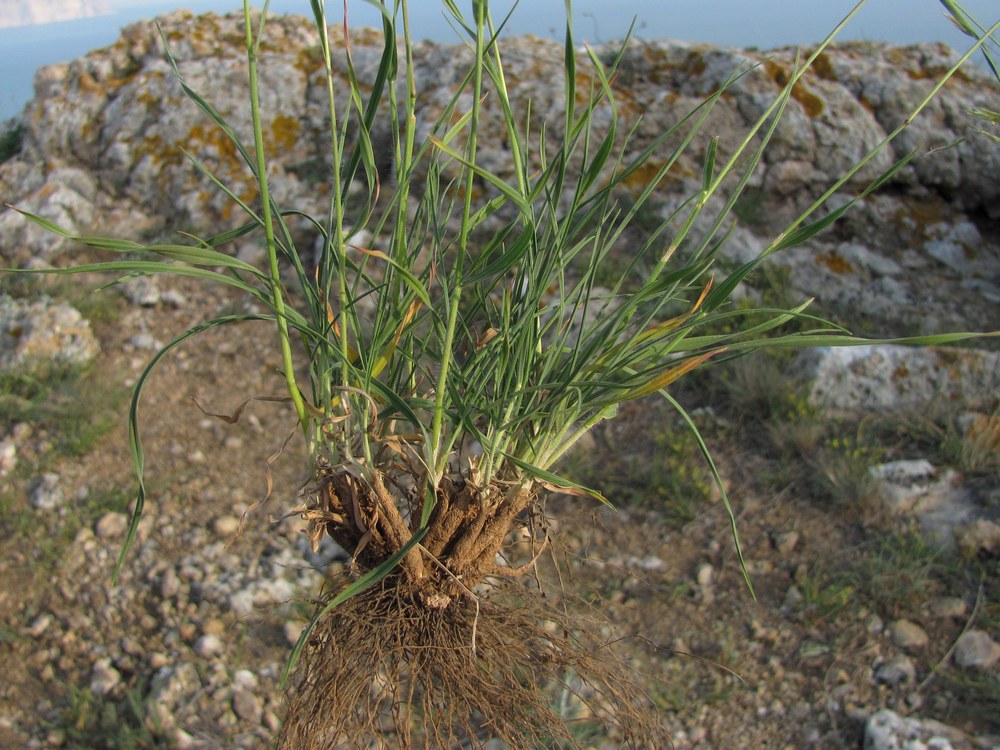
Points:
[[221, 148], [89, 85], [642, 176], [823, 68], [836, 263], [811, 104], [284, 133]]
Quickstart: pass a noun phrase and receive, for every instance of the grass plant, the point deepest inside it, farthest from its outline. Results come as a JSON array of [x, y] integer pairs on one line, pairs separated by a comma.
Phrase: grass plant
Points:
[[439, 375]]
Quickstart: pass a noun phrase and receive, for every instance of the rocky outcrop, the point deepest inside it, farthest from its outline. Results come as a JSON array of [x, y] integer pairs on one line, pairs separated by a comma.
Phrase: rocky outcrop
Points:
[[42, 333], [118, 119]]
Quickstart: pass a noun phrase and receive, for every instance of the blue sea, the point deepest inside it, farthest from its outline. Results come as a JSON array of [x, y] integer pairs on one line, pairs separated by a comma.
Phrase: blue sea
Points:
[[743, 23]]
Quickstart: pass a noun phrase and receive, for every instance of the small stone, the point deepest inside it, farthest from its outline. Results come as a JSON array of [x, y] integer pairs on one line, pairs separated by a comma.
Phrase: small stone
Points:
[[293, 629], [247, 706], [241, 602], [975, 649], [245, 679], [170, 584], [8, 456], [40, 625], [111, 525], [979, 536], [158, 660], [141, 290], [793, 599], [208, 646], [225, 527], [897, 671], [649, 563], [704, 574], [786, 543], [908, 635], [104, 677], [875, 625], [143, 341], [47, 494], [946, 607], [173, 298]]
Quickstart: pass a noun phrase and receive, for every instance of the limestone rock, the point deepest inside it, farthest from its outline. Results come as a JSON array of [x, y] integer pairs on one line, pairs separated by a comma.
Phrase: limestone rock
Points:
[[908, 635], [975, 649], [882, 378], [37, 334], [887, 730]]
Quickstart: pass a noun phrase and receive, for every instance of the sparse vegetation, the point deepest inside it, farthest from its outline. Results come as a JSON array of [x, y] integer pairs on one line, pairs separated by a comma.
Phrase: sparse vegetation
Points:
[[10, 142]]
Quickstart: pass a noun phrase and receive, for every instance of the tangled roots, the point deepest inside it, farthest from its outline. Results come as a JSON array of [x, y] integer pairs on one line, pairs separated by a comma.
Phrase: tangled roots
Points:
[[383, 671]]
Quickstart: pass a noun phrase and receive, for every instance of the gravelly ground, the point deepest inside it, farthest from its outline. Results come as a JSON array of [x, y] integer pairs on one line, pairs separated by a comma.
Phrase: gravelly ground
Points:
[[186, 651]]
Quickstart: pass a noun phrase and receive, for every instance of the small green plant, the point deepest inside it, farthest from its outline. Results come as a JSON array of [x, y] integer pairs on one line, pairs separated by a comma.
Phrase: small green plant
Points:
[[93, 722], [448, 368], [69, 403], [10, 142]]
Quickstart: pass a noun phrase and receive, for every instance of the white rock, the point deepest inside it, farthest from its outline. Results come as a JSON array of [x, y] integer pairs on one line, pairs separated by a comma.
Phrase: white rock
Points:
[[887, 378], [887, 730], [704, 574], [47, 493], [247, 706], [908, 635], [111, 525], [34, 334], [975, 649], [8, 456], [208, 646], [104, 678], [897, 671]]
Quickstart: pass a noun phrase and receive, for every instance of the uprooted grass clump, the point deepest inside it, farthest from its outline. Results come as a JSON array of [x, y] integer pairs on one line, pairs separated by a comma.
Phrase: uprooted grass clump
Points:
[[384, 667]]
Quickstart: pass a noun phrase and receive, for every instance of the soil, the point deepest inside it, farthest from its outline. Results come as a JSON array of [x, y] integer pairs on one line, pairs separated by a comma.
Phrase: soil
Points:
[[791, 665]]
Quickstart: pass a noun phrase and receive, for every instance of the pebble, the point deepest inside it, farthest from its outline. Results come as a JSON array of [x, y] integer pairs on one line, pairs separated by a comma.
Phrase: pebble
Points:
[[111, 525], [793, 599], [975, 649], [208, 646], [786, 542], [141, 290], [245, 679], [907, 634], [897, 671], [946, 607], [8, 456], [225, 527], [143, 341], [170, 584], [649, 563], [40, 625], [704, 574], [104, 677], [247, 706], [47, 493]]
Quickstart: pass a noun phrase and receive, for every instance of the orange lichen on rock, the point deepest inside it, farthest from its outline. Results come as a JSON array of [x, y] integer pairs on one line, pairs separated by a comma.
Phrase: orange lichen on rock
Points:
[[810, 102], [836, 263]]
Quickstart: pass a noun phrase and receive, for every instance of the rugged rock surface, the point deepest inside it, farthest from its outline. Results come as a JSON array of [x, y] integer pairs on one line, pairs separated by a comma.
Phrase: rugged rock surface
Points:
[[118, 118], [35, 335]]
